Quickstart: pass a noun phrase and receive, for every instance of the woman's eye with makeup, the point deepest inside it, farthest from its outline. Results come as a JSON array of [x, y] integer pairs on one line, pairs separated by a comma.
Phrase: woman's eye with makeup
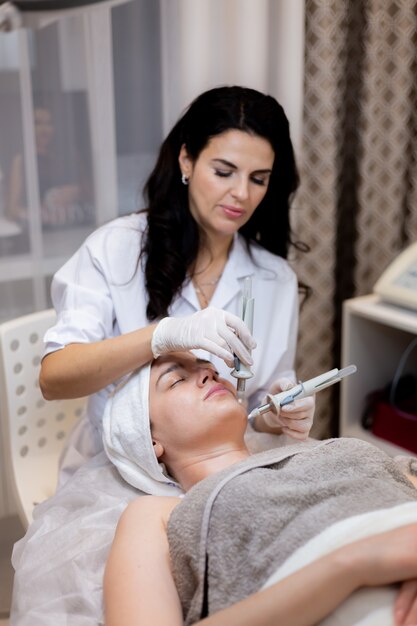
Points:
[[223, 173], [259, 181]]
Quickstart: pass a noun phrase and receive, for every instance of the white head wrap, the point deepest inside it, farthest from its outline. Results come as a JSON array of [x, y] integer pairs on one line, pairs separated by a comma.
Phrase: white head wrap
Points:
[[127, 437]]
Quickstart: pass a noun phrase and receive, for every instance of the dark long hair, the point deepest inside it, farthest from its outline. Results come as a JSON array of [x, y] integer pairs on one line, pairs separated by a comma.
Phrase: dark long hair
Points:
[[172, 238]]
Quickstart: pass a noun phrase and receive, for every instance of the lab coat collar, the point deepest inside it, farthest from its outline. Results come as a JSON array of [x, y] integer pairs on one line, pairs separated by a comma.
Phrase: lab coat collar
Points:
[[238, 266]]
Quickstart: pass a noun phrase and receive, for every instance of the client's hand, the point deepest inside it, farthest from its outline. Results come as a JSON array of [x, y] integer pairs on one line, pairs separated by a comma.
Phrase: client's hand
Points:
[[211, 329], [405, 608], [295, 419]]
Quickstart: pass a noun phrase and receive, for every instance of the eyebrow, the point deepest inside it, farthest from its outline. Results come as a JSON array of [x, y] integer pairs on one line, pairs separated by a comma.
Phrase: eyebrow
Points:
[[176, 366], [234, 167]]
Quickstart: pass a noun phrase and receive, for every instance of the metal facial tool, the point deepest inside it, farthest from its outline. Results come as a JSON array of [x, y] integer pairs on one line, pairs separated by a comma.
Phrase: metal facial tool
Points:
[[302, 390], [241, 371]]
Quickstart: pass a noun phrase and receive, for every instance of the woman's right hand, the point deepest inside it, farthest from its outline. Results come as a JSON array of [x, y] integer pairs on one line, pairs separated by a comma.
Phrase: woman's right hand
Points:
[[217, 331]]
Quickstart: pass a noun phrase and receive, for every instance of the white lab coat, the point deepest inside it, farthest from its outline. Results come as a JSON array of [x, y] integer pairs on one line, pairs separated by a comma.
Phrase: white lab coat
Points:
[[100, 293]]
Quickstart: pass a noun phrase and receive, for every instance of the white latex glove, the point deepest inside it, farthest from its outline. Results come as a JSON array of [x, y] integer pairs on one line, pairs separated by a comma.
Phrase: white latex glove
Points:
[[211, 329], [295, 419]]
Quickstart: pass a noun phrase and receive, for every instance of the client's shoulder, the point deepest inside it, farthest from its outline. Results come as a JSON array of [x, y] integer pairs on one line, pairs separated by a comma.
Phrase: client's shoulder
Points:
[[149, 509]]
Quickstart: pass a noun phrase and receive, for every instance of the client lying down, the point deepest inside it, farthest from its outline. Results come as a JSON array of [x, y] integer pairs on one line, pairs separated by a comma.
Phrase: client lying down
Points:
[[313, 532]]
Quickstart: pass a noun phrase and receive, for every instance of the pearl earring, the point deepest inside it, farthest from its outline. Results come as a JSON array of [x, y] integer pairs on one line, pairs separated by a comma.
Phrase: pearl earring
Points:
[[185, 179]]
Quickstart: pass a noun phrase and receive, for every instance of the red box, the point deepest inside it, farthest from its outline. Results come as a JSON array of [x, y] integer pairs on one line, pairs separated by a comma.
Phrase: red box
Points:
[[394, 425]]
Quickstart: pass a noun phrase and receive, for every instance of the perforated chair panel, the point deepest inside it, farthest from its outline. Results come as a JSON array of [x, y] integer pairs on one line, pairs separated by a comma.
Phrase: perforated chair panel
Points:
[[35, 429]]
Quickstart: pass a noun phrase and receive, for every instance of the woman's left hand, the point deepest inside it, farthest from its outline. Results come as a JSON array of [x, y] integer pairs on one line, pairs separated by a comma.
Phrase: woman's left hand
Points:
[[295, 419]]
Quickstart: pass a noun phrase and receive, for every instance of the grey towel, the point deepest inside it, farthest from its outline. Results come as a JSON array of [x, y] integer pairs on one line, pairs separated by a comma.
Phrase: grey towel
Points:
[[235, 528]]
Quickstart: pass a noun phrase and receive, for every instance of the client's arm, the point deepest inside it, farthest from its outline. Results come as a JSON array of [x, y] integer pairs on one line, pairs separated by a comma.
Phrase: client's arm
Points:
[[138, 585], [139, 588]]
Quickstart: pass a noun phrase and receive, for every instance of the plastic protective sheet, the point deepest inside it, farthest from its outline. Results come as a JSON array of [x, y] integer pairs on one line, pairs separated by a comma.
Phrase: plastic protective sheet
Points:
[[60, 562]]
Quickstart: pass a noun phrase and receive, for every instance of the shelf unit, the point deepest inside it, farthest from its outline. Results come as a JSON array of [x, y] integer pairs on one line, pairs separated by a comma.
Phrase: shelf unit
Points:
[[375, 335]]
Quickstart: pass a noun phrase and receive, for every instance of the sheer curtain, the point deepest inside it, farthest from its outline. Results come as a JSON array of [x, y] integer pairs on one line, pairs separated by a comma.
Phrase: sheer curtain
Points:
[[258, 43]]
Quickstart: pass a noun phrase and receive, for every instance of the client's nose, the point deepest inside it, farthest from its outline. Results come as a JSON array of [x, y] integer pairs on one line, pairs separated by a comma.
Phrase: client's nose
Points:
[[205, 374]]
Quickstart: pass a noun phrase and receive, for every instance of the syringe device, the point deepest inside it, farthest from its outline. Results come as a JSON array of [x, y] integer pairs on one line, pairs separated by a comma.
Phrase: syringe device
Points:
[[302, 390]]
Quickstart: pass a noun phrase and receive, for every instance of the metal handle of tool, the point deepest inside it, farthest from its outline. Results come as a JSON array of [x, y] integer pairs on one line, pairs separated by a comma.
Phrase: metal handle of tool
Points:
[[241, 371], [302, 390]]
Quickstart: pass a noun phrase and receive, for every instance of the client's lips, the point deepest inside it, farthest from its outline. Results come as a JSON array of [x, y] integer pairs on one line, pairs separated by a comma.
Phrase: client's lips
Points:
[[218, 388]]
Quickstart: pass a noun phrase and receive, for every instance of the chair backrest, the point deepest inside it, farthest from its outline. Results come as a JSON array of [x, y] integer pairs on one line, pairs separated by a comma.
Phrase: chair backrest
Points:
[[34, 429]]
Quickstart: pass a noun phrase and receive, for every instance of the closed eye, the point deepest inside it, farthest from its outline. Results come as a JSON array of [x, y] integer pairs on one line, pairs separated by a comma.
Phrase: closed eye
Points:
[[179, 380], [258, 180], [222, 173], [262, 181]]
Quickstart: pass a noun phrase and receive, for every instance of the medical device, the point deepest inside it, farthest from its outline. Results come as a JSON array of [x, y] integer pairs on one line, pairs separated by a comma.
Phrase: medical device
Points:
[[398, 284], [241, 371], [302, 390]]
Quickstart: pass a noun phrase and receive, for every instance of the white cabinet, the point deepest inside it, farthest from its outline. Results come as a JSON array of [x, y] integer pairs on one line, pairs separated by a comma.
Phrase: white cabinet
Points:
[[375, 335]]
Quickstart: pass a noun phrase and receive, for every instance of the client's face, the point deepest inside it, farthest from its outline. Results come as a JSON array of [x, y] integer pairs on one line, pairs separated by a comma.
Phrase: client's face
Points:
[[191, 406]]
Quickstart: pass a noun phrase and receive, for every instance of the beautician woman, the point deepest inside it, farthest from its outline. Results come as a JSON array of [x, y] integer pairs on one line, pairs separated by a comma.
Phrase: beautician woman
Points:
[[170, 277]]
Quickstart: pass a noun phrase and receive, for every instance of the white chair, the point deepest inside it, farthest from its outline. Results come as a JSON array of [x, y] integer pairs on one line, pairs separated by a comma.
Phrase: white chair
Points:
[[34, 430]]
